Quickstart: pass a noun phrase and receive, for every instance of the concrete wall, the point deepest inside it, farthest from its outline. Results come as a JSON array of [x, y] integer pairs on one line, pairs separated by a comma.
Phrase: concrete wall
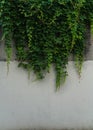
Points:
[[34, 104]]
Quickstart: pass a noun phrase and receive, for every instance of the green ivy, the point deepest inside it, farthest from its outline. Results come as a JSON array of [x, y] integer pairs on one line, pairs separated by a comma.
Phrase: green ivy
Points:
[[46, 32]]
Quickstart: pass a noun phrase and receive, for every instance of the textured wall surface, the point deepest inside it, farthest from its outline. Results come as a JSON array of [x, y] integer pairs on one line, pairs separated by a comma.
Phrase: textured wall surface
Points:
[[35, 104]]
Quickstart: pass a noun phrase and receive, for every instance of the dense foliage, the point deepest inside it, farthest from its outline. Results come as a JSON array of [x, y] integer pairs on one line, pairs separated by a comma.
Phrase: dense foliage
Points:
[[46, 32]]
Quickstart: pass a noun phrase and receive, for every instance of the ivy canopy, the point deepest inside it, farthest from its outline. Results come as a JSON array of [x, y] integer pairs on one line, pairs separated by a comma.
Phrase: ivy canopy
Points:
[[46, 32]]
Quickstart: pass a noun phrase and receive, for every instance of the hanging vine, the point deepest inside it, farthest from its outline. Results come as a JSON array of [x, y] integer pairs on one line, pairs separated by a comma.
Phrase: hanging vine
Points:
[[46, 32]]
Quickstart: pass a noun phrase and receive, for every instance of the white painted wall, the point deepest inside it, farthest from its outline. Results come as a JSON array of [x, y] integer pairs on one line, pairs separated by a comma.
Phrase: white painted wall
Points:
[[35, 104]]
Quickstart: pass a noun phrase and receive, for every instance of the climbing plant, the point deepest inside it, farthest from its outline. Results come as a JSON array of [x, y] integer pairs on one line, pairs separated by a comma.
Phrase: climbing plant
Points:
[[45, 33]]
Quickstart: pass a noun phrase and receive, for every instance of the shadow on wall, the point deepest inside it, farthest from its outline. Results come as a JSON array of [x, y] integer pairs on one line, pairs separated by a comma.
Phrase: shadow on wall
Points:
[[2, 48], [57, 129], [88, 49]]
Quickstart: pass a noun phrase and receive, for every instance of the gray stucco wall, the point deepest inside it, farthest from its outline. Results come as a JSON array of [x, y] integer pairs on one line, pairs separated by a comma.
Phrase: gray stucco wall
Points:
[[29, 104]]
